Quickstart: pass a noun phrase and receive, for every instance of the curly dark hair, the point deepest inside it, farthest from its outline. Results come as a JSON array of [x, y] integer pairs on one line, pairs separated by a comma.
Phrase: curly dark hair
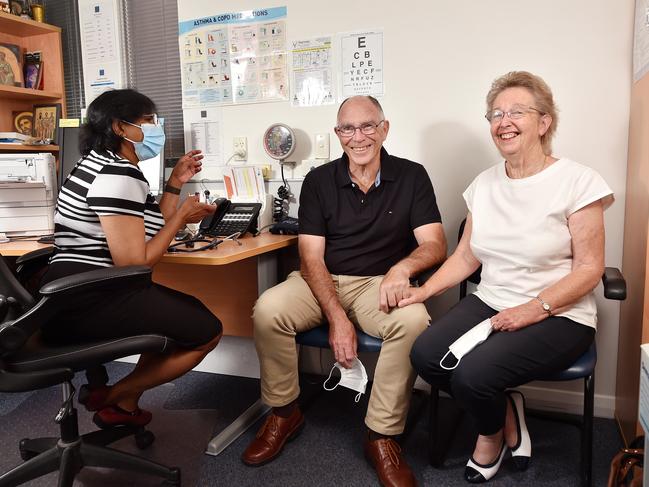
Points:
[[97, 133]]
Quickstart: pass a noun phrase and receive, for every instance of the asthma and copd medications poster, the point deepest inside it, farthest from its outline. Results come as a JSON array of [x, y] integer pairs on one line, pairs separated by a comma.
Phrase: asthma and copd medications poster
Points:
[[234, 57], [362, 63]]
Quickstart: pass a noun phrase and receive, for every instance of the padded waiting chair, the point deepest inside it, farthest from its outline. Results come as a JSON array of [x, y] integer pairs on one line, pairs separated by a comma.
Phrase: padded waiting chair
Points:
[[319, 338], [583, 368], [27, 364]]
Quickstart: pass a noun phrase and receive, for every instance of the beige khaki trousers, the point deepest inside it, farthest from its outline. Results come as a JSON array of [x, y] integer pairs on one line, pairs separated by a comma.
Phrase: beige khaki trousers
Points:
[[290, 308]]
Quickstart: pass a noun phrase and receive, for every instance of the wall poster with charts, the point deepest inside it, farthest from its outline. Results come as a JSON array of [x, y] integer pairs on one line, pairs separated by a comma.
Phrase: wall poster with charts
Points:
[[312, 72], [234, 57]]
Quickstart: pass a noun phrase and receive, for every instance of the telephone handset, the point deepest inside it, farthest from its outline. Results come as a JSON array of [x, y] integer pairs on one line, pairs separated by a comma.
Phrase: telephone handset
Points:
[[230, 218]]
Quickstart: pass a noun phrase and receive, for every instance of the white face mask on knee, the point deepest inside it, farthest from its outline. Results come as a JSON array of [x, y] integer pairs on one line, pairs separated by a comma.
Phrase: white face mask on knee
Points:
[[467, 342], [354, 378]]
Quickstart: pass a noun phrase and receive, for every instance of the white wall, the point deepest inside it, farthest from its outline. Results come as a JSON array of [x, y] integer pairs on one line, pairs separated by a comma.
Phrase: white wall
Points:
[[439, 60]]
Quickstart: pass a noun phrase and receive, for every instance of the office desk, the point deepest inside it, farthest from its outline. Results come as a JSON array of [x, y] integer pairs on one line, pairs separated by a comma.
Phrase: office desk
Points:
[[225, 278]]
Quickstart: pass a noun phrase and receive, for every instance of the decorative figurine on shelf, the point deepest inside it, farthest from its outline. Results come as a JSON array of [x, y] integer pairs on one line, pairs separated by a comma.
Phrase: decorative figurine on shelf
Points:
[[4, 6], [18, 7]]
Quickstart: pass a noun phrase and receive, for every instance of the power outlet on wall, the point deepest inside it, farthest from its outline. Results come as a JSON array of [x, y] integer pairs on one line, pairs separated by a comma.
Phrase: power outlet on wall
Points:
[[240, 148]]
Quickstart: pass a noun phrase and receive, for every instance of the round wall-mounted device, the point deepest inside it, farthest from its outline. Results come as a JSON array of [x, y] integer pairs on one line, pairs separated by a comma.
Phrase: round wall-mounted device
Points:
[[279, 141]]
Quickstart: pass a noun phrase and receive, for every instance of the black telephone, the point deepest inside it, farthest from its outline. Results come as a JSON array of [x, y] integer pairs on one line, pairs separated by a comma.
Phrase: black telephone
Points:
[[230, 218]]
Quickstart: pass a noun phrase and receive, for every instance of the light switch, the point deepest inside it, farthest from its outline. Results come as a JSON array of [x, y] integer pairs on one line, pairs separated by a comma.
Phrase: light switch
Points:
[[321, 146]]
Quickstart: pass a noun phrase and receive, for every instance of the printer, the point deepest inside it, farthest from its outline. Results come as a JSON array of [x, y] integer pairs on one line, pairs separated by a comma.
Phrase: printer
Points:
[[28, 191]]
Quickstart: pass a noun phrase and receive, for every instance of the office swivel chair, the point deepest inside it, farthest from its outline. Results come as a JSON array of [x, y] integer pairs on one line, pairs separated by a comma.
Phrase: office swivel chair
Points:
[[583, 368], [27, 364]]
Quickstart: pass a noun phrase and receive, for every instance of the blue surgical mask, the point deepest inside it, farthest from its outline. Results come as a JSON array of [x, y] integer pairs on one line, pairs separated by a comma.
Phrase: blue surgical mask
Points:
[[152, 143]]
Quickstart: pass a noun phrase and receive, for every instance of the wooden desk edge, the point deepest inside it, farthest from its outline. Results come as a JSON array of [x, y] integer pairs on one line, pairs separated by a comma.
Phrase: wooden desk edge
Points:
[[212, 257], [209, 257]]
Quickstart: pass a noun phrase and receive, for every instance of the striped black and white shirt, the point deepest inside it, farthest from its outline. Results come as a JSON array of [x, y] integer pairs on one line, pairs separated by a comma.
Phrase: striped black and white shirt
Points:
[[99, 185]]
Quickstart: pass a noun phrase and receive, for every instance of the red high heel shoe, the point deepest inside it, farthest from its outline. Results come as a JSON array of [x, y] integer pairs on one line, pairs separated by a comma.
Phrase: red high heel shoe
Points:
[[93, 398], [112, 416]]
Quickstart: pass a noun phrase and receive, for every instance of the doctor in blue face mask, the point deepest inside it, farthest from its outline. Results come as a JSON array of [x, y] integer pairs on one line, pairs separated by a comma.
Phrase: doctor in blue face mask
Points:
[[153, 137]]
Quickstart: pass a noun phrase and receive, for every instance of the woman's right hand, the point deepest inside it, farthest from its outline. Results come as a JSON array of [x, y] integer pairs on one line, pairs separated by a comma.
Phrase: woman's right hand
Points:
[[194, 211], [416, 295]]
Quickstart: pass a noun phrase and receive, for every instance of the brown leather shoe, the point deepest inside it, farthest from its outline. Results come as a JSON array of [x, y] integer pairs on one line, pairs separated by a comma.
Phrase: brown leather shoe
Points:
[[271, 438], [385, 456]]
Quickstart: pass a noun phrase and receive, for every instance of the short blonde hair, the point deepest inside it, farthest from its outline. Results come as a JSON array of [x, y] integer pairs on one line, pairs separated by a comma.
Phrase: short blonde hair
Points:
[[542, 97]]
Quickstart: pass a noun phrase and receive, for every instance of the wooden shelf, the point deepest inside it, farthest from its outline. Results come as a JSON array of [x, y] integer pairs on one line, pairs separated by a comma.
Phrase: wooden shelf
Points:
[[17, 26], [31, 36], [19, 93], [29, 148]]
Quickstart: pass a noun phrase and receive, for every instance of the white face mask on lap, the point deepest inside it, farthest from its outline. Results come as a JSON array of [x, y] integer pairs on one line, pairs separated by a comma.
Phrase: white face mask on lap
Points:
[[354, 378], [467, 342]]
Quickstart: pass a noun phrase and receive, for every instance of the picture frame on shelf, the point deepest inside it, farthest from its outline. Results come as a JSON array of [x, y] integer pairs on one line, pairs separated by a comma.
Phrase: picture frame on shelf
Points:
[[11, 71], [45, 121], [23, 122], [33, 70]]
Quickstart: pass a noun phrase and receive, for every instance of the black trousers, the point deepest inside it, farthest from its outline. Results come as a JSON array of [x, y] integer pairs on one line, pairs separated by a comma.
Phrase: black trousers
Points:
[[137, 310], [506, 359]]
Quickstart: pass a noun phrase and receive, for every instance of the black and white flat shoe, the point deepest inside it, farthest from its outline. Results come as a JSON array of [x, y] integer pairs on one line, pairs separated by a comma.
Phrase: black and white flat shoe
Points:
[[522, 451], [476, 473]]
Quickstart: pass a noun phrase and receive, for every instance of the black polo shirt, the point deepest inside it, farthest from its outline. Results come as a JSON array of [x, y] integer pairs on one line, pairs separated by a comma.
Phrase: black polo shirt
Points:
[[366, 234]]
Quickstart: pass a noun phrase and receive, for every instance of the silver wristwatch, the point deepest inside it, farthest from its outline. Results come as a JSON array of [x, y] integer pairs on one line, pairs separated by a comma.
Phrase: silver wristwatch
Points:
[[546, 306]]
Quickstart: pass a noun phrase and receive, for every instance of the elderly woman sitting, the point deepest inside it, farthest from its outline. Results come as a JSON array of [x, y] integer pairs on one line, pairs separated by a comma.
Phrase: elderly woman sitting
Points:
[[535, 224]]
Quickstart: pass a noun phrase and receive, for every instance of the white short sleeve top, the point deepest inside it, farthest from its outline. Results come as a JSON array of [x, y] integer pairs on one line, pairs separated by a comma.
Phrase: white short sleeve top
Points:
[[520, 231]]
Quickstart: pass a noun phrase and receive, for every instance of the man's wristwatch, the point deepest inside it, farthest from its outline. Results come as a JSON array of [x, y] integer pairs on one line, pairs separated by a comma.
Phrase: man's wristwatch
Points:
[[546, 307]]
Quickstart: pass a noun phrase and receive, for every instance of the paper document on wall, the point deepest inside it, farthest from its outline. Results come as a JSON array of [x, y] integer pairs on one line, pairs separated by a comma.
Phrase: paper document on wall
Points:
[[203, 131], [312, 72], [244, 183]]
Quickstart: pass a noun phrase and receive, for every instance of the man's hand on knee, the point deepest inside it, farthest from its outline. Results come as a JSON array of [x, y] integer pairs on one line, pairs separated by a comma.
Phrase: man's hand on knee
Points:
[[342, 338], [394, 287]]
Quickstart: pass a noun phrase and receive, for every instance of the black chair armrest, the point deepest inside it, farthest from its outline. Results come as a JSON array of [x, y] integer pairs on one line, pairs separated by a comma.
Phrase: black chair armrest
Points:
[[614, 284], [97, 279], [40, 256], [29, 381], [13, 334], [31, 267]]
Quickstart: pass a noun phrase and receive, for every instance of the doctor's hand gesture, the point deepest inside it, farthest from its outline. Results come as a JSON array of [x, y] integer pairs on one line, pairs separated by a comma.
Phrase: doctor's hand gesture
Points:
[[186, 167], [193, 211]]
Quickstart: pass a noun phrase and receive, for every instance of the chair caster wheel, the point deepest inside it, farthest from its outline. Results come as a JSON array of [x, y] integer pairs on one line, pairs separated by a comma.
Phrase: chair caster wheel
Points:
[[26, 454], [175, 480], [144, 439]]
